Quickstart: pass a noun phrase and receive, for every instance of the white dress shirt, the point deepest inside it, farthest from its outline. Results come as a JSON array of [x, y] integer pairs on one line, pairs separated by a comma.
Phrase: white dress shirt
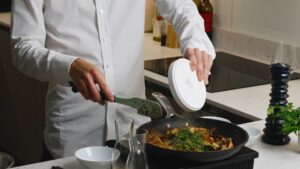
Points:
[[47, 35]]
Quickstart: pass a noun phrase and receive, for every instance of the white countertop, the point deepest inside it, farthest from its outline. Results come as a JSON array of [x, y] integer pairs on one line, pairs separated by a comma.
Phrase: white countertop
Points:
[[66, 163], [153, 50], [5, 19], [275, 157]]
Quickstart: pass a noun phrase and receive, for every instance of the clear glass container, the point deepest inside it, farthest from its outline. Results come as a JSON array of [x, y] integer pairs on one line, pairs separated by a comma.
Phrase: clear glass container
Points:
[[131, 145], [121, 145], [137, 158]]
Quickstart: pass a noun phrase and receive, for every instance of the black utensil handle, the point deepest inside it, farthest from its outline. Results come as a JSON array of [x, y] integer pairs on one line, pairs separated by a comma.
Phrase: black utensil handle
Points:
[[75, 90], [56, 167]]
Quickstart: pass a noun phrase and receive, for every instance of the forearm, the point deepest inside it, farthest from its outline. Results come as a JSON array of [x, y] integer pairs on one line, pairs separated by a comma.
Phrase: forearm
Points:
[[28, 38], [34, 60], [188, 24]]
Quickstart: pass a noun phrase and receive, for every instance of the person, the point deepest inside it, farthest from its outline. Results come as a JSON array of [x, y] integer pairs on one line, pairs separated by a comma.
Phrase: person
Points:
[[98, 45]]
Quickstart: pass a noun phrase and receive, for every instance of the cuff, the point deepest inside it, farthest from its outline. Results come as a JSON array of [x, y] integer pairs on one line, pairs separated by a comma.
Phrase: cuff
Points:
[[203, 44], [60, 68]]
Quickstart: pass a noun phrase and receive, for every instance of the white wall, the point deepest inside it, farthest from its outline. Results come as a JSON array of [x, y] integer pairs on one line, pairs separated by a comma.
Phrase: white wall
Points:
[[223, 13], [268, 19]]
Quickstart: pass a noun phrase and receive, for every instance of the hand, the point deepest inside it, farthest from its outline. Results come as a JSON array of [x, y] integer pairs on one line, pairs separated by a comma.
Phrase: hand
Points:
[[201, 62], [89, 80]]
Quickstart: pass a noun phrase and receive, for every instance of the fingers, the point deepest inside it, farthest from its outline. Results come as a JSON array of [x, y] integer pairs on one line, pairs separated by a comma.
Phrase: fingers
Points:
[[208, 67], [200, 67], [205, 67], [100, 80], [201, 62], [190, 55], [82, 89], [90, 81], [93, 92]]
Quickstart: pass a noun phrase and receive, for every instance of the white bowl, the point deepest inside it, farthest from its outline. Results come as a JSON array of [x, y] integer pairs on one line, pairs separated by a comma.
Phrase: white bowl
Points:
[[253, 133], [98, 157]]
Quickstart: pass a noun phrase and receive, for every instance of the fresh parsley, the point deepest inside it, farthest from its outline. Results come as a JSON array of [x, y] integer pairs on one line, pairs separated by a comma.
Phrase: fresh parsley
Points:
[[290, 114], [188, 141]]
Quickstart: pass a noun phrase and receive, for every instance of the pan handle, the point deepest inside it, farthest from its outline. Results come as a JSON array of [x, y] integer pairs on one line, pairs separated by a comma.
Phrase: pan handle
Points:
[[166, 105]]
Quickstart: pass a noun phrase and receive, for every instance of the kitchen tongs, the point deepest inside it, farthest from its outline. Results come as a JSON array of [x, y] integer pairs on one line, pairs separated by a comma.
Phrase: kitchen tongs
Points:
[[144, 107]]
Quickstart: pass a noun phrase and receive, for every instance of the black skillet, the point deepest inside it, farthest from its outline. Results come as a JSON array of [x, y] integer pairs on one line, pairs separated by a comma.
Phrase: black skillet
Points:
[[239, 136]]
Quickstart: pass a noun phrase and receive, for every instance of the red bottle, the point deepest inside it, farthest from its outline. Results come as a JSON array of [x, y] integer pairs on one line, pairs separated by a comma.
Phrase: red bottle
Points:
[[206, 11]]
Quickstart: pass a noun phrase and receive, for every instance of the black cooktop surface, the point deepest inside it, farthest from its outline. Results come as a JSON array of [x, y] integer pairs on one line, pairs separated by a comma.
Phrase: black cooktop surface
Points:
[[244, 159], [228, 72]]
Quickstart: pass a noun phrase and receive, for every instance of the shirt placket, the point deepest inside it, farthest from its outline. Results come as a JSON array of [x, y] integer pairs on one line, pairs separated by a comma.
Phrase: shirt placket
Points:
[[106, 53], [105, 42]]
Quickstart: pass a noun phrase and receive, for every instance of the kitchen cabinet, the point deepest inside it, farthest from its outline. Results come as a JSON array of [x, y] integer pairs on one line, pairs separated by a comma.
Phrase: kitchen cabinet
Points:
[[22, 107]]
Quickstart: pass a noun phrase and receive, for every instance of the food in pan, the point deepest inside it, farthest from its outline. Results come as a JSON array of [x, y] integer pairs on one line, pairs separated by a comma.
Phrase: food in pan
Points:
[[191, 139]]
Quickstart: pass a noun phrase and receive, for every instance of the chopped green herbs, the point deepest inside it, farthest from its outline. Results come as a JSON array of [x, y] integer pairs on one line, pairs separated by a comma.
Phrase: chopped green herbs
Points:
[[290, 115], [187, 141]]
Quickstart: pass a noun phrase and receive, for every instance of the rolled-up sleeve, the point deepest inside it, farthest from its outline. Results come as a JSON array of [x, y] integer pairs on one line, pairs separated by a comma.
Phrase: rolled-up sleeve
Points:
[[188, 24], [28, 35]]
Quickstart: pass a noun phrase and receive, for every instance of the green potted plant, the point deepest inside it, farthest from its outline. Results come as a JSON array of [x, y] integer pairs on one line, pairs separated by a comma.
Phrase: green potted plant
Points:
[[291, 116]]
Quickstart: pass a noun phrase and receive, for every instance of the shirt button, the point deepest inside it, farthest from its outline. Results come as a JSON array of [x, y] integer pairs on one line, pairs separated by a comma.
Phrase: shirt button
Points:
[[103, 39], [101, 11], [107, 66]]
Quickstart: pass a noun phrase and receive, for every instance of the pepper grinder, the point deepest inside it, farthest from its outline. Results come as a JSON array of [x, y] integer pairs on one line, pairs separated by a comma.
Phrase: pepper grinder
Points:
[[280, 74]]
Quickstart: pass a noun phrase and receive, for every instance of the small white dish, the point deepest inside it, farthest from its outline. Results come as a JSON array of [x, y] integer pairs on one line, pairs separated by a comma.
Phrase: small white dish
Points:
[[253, 133], [98, 157], [216, 118]]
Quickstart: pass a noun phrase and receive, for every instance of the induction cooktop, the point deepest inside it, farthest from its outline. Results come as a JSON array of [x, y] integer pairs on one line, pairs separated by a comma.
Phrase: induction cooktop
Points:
[[244, 159], [228, 72]]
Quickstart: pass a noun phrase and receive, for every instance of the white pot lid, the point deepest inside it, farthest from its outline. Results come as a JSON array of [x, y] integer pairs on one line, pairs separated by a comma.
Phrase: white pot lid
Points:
[[187, 90]]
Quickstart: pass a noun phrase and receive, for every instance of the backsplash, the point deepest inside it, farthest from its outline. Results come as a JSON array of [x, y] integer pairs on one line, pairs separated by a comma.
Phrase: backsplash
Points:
[[248, 46]]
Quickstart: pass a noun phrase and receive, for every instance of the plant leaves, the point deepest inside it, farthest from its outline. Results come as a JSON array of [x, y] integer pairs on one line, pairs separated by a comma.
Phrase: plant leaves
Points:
[[290, 115]]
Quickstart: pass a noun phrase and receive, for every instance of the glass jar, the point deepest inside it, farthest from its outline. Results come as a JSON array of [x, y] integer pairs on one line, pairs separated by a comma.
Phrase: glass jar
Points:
[[137, 158]]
